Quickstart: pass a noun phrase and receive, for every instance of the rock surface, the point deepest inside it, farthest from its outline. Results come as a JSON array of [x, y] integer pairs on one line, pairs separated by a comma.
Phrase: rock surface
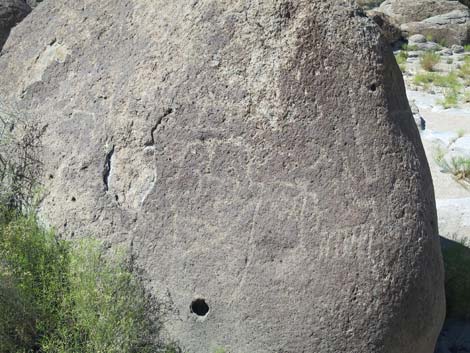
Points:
[[11, 12], [446, 21], [449, 28], [419, 120], [391, 32], [416, 39], [34, 3], [406, 11], [261, 159]]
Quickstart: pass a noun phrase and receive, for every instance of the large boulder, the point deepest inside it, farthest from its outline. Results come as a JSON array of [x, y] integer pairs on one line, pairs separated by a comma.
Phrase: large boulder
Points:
[[11, 12], [405, 11], [451, 28], [260, 159], [446, 21]]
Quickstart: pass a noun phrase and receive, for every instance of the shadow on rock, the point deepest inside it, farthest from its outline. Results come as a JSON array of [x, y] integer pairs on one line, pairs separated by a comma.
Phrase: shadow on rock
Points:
[[455, 335]]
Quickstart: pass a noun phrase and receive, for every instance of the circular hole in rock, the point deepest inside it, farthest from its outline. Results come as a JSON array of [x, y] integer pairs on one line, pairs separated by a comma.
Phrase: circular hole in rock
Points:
[[199, 307]]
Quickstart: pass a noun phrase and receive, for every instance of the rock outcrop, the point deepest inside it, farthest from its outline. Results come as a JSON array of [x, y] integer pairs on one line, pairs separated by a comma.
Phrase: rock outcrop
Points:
[[404, 11], [451, 28], [34, 3], [391, 32], [11, 12], [261, 160], [446, 21]]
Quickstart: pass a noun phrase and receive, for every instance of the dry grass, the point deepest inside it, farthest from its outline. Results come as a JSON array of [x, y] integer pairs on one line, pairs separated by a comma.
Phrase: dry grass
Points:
[[429, 60]]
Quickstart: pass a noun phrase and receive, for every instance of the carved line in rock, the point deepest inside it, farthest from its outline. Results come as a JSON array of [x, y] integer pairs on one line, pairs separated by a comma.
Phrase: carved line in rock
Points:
[[157, 124]]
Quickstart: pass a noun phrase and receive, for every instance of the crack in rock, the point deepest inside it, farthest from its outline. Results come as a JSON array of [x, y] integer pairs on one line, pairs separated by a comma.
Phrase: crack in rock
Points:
[[157, 124], [107, 168]]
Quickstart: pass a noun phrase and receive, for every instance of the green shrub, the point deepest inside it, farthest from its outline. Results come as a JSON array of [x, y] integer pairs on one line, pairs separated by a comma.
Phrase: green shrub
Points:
[[106, 304], [458, 166], [466, 47], [32, 264], [406, 48], [64, 297], [429, 60], [451, 80], [457, 283], [58, 296], [401, 57], [443, 43], [17, 331], [451, 100], [439, 155], [464, 71], [424, 79]]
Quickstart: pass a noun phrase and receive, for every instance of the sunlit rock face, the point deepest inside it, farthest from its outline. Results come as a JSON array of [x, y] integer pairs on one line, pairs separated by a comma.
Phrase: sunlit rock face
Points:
[[445, 21], [259, 158]]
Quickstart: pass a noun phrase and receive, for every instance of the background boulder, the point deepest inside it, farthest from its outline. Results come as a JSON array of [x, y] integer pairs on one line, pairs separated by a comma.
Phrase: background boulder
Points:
[[451, 28], [260, 160], [391, 31], [34, 3], [405, 11], [447, 22]]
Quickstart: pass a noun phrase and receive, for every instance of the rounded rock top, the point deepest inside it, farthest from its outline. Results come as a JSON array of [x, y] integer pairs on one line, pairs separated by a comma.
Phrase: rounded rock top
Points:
[[417, 38]]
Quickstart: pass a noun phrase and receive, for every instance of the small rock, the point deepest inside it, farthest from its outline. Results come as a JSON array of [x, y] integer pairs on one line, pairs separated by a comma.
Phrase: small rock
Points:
[[457, 49], [414, 107], [417, 38], [429, 46], [414, 54], [446, 52], [420, 122]]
